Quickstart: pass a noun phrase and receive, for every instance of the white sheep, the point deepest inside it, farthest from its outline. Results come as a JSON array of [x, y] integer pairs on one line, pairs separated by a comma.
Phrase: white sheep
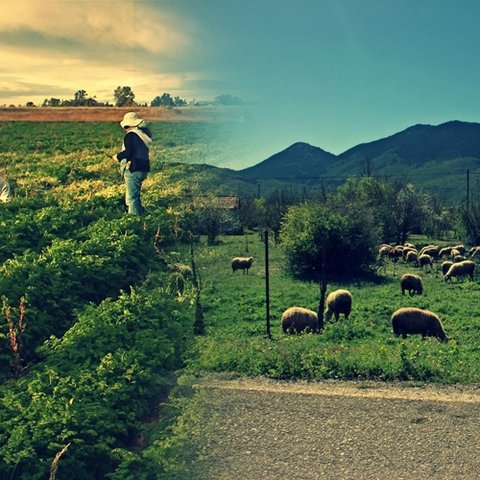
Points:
[[411, 321], [241, 263], [299, 319], [339, 301], [412, 283], [460, 270]]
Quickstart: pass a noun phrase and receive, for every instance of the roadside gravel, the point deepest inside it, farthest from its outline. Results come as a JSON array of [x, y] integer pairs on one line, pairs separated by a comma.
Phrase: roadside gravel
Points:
[[258, 429]]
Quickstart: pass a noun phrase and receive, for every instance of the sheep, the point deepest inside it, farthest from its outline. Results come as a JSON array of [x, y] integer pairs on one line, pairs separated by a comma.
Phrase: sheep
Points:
[[410, 245], [458, 259], [394, 254], [241, 263], [460, 270], [444, 251], [461, 248], [339, 301], [412, 283], [383, 252], [299, 319], [446, 266], [411, 257], [431, 250], [454, 253], [473, 251], [406, 251], [425, 259], [411, 320]]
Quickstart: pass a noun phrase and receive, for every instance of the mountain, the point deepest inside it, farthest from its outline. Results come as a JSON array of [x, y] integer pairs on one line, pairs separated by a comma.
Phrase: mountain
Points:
[[414, 147], [298, 160], [434, 157]]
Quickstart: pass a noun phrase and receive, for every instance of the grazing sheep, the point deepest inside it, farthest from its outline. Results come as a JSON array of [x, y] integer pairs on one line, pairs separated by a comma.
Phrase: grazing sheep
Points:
[[339, 301], [461, 248], [460, 270], [383, 251], [299, 319], [431, 250], [446, 266], [410, 245], [411, 257], [425, 260], [411, 321], [454, 253], [412, 283], [394, 254], [458, 259], [473, 251], [444, 251], [406, 251], [241, 263]]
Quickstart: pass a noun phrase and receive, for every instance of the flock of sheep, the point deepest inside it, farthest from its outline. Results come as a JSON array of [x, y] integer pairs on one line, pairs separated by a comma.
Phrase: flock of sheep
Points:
[[457, 263]]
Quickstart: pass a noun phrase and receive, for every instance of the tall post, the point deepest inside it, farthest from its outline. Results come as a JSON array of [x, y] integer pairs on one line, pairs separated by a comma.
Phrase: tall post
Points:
[[267, 286], [323, 290], [468, 190]]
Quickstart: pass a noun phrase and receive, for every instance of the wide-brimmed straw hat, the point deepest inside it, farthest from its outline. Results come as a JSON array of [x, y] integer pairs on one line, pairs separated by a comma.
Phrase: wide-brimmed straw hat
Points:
[[131, 119]]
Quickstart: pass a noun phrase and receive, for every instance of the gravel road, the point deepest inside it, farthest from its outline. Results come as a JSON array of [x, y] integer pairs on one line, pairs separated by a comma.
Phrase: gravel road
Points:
[[256, 429]]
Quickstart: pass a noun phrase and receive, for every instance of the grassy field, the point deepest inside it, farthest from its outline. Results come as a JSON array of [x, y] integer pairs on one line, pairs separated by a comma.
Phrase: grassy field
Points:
[[363, 347]]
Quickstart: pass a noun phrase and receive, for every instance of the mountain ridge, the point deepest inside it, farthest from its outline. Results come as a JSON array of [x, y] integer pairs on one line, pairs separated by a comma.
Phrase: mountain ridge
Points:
[[413, 147]]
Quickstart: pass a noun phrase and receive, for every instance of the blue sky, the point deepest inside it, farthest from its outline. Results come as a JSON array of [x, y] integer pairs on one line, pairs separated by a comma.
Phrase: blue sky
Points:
[[333, 73]]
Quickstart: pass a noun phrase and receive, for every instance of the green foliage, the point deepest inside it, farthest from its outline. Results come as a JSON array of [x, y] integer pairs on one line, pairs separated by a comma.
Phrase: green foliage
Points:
[[93, 388], [348, 238], [106, 257]]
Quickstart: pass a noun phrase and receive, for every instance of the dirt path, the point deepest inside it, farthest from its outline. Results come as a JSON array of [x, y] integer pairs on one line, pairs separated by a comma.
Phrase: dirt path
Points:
[[257, 429]]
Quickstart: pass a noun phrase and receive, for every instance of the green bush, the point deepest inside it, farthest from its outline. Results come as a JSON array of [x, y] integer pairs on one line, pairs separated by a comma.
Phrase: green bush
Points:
[[348, 238], [93, 388]]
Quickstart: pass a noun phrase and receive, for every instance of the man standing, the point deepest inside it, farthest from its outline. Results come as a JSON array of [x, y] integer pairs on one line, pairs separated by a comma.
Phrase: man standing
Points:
[[134, 159]]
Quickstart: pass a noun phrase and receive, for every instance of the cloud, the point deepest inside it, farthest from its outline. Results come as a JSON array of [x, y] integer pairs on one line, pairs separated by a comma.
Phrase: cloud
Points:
[[99, 23], [67, 45]]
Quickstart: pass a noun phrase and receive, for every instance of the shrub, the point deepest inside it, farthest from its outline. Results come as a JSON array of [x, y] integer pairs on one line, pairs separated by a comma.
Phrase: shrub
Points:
[[349, 239]]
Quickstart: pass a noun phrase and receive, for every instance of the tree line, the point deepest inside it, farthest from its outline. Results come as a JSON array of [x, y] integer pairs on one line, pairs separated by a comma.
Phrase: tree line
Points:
[[125, 97]]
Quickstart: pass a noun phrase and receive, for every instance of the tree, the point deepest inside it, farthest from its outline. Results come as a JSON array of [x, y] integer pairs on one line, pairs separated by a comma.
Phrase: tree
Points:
[[29, 104], [51, 102], [179, 102], [315, 234], [124, 96], [228, 100], [79, 98], [164, 101], [412, 208]]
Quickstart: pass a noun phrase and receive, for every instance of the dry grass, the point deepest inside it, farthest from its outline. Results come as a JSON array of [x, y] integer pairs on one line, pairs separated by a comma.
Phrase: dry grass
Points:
[[115, 114]]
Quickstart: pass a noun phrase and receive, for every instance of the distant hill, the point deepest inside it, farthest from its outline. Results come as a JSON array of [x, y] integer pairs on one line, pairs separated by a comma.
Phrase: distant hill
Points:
[[434, 157], [298, 160]]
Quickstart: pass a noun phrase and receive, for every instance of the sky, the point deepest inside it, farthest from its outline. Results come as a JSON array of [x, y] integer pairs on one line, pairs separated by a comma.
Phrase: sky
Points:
[[333, 73]]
